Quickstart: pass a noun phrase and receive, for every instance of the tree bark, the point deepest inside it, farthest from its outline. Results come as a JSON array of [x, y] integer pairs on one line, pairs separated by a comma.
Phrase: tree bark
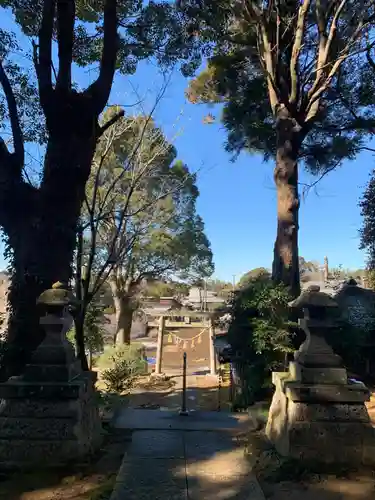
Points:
[[285, 267], [43, 239], [41, 223], [124, 319], [79, 324]]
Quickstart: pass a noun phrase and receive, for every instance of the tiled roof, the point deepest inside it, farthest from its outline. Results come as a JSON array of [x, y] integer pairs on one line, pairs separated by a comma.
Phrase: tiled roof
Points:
[[330, 289]]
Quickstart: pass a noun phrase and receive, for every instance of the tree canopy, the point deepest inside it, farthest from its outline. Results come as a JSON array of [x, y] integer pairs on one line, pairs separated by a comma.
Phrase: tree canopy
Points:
[[140, 216], [367, 231], [143, 202], [292, 80], [43, 102], [258, 273], [293, 55]]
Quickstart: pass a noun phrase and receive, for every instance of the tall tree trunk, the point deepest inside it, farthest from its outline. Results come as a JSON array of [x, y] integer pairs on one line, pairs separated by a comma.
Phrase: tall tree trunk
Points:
[[41, 223], [124, 320], [123, 310], [80, 315], [285, 267], [43, 243], [79, 325]]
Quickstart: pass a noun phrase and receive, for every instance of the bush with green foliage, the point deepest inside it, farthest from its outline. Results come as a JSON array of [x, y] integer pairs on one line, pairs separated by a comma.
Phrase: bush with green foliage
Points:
[[93, 330], [352, 342], [261, 334], [109, 310], [125, 364]]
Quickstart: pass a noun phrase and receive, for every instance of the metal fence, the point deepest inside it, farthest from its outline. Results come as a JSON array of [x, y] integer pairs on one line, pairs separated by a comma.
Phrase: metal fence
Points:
[[249, 383]]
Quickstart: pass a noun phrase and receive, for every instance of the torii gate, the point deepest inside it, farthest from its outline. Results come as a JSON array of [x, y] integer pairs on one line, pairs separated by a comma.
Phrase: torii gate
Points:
[[207, 321]]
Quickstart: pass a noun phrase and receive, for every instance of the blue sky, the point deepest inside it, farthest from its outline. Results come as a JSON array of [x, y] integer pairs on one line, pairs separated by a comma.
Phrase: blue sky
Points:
[[238, 200]]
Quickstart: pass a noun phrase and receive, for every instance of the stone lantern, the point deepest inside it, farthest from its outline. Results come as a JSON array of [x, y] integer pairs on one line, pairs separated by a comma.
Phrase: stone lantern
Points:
[[49, 415], [316, 412], [315, 360]]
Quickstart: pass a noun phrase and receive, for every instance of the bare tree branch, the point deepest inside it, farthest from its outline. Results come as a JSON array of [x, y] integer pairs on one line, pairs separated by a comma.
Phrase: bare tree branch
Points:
[[269, 66], [18, 142], [294, 74], [111, 122], [308, 187], [43, 56], [101, 88], [65, 34], [323, 79]]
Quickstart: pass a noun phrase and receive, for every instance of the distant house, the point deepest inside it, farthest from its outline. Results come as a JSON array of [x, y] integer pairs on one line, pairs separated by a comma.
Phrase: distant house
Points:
[[331, 287], [153, 305], [204, 299]]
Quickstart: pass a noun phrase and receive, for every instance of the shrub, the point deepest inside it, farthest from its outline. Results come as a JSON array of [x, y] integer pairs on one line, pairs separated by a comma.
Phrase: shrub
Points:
[[93, 331], [125, 364], [109, 310], [351, 343], [261, 333]]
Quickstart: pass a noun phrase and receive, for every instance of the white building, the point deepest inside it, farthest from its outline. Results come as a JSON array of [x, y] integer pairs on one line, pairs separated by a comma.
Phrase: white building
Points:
[[203, 300]]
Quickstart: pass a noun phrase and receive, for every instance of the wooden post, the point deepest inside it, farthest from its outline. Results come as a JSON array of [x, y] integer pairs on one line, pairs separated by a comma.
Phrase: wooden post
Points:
[[212, 349], [159, 348]]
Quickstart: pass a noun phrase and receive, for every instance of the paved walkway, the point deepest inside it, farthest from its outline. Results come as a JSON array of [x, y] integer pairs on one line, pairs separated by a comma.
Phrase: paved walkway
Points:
[[197, 457]]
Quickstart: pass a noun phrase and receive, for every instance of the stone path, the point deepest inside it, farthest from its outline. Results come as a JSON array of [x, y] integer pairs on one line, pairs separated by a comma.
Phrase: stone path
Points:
[[198, 457]]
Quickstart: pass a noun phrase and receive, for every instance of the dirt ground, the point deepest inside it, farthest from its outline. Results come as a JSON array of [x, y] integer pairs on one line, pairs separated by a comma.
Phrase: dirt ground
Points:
[[203, 393], [279, 484], [91, 481], [357, 487]]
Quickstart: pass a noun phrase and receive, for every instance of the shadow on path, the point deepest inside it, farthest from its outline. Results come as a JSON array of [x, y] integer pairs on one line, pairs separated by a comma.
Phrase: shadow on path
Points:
[[179, 464]]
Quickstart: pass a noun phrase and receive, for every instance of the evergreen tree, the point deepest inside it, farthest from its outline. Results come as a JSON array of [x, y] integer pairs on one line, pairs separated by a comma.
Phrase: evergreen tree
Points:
[[291, 78], [367, 231], [40, 219]]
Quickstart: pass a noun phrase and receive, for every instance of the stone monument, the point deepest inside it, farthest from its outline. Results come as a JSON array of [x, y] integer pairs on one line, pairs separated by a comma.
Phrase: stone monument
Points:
[[48, 416], [357, 304], [316, 412]]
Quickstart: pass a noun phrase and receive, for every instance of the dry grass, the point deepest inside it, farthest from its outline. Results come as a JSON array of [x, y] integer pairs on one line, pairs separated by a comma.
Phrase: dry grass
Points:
[[148, 383]]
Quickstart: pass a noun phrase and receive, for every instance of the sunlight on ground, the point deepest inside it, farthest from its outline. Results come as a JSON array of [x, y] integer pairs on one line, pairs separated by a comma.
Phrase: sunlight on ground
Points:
[[221, 476], [220, 464], [361, 487]]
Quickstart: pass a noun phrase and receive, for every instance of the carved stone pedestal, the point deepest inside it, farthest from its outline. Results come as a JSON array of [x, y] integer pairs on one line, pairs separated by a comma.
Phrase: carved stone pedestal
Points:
[[49, 415], [316, 413], [321, 422]]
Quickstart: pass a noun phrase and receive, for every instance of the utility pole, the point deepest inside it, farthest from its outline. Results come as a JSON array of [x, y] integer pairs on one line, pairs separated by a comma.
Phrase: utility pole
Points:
[[234, 282], [204, 295]]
